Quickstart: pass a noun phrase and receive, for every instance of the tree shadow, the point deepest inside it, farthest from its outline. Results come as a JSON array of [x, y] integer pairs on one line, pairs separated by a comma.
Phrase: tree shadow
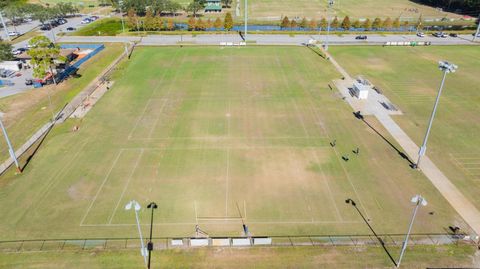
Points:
[[30, 157], [350, 201], [359, 116]]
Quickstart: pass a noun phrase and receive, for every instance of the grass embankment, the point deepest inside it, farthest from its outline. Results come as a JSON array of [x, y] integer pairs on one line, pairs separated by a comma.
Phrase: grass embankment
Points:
[[27, 112], [103, 27], [274, 257]]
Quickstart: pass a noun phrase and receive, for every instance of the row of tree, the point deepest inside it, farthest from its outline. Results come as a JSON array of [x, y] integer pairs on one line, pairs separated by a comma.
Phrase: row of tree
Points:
[[163, 7], [202, 25], [346, 23]]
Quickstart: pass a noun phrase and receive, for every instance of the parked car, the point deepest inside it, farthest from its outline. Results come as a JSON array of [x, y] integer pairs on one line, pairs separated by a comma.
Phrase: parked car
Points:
[[361, 37], [61, 21], [86, 21], [440, 34], [71, 28], [19, 51], [94, 18], [13, 33], [46, 27], [28, 82], [420, 34], [477, 35]]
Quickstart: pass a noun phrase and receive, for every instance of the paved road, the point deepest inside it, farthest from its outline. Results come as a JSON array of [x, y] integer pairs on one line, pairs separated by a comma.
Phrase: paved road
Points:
[[274, 39]]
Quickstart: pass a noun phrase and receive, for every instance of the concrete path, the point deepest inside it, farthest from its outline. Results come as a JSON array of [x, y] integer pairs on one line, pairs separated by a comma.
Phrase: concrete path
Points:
[[452, 194]]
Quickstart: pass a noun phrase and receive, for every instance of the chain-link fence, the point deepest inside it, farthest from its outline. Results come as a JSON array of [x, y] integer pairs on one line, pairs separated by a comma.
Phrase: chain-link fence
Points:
[[168, 242]]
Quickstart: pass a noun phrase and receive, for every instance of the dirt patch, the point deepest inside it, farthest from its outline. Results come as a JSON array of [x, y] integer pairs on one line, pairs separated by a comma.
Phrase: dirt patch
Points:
[[80, 190]]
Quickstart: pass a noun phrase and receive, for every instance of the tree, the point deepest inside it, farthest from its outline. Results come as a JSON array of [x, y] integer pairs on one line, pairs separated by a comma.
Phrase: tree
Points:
[[293, 24], [170, 25], [377, 23], [285, 22], [172, 7], [149, 21], [346, 24], [367, 24], [228, 22], [200, 25], [357, 24], [209, 23], [304, 23], [396, 23], [334, 24], [405, 25], [226, 3], [66, 9], [218, 23], [191, 23], [6, 51], [312, 24], [194, 7], [132, 19], [387, 23], [419, 24], [323, 23], [43, 53]]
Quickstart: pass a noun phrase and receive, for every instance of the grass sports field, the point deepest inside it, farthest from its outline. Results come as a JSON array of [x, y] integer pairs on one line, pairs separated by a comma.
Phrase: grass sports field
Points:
[[410, 78], [211, 134]]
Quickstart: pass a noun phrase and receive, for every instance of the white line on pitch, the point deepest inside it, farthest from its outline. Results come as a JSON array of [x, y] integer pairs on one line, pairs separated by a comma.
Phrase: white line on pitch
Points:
[[101, 187], [226, 182], [126, 186], [157, 119], [139, 118]]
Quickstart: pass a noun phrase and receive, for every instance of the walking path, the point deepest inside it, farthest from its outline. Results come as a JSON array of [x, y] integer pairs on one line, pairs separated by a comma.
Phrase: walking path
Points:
[[457, 200]]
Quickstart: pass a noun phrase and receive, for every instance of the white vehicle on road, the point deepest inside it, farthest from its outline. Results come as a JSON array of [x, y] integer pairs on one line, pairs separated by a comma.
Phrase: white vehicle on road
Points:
[[420, 34], [13, 33]]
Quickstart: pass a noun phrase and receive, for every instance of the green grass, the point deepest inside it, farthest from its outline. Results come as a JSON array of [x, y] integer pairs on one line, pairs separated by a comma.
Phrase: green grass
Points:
[[410, 78], [275, 257], [103, 27], [200, 130], [27, 112]]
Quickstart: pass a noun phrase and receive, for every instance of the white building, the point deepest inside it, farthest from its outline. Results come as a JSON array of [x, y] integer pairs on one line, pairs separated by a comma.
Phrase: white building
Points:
[[360, 90]]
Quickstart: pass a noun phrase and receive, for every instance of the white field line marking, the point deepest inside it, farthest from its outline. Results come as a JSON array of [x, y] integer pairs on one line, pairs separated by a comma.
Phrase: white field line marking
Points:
[[157, 118], [195, 209], [139, 119], [231, 137], [222, 222], [101, 186], [300, 117], [126, 185], [244, 210], [227, 178], [330, 194]]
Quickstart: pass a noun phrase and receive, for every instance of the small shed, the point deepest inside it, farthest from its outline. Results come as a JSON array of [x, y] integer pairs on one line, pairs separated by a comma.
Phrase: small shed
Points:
[[360, 90]]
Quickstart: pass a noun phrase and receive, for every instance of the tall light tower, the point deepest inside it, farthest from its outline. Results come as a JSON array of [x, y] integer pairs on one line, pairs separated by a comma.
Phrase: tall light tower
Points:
[[246, 20], [136, 206], [478, 30], [330, 5], [120, 4], [418, 201], [10, 148], [4, 26], [446, 67]]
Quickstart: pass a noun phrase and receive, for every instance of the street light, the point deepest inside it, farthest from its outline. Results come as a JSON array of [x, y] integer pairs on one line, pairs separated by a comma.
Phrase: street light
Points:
[[10, 147], [153, 206], [446, 67], [330, 5], [120, 4], [246, 20], [4, 27], [136, 206], [417, 200]]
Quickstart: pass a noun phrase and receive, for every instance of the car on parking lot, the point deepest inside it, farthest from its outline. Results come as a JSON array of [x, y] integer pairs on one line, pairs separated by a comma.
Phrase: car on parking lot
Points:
[[94, 18], [46, 27], [86, 21], [13, 33], [477, 35], [453, 34], [19, 51], [71, 28], [361, 37], [420, 34], [61, 21]]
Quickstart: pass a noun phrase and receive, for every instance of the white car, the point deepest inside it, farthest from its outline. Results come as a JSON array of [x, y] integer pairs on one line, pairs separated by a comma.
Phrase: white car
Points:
[[86, 21], [13, 33], [420, 34]]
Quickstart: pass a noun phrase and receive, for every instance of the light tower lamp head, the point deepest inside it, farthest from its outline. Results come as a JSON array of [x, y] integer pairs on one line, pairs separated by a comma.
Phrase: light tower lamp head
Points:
[[447, 67], [133, 204], [417, 199]]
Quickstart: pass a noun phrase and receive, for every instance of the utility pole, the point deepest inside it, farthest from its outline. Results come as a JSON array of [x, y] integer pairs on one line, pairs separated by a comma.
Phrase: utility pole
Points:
[[152, 206], [417, 200], [10, 148], [136, 206], [120, 4], [330, 5], [246, 20], [4, 27], [478, 30], [446, 67]]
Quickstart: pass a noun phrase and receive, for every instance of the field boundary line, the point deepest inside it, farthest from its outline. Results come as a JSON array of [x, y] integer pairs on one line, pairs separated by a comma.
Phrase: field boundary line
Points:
[[126, 185], [227, 179], [101, 186], [139, 119], [157, 118], [221, 221]]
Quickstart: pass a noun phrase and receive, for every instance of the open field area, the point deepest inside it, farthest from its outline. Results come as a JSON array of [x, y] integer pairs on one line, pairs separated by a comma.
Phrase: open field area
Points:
[[275, 257], [25, 113], [410, 78], [274, 9], [211, 134]]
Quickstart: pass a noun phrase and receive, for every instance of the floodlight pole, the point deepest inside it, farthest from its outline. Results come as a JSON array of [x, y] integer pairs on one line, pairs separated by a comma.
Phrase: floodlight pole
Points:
[[446, 67], [153, 206], [330, 4], [478, 30], [136, 208], [120, 3], [4, 27], [246, 19], [418, 200], [10, 148]]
